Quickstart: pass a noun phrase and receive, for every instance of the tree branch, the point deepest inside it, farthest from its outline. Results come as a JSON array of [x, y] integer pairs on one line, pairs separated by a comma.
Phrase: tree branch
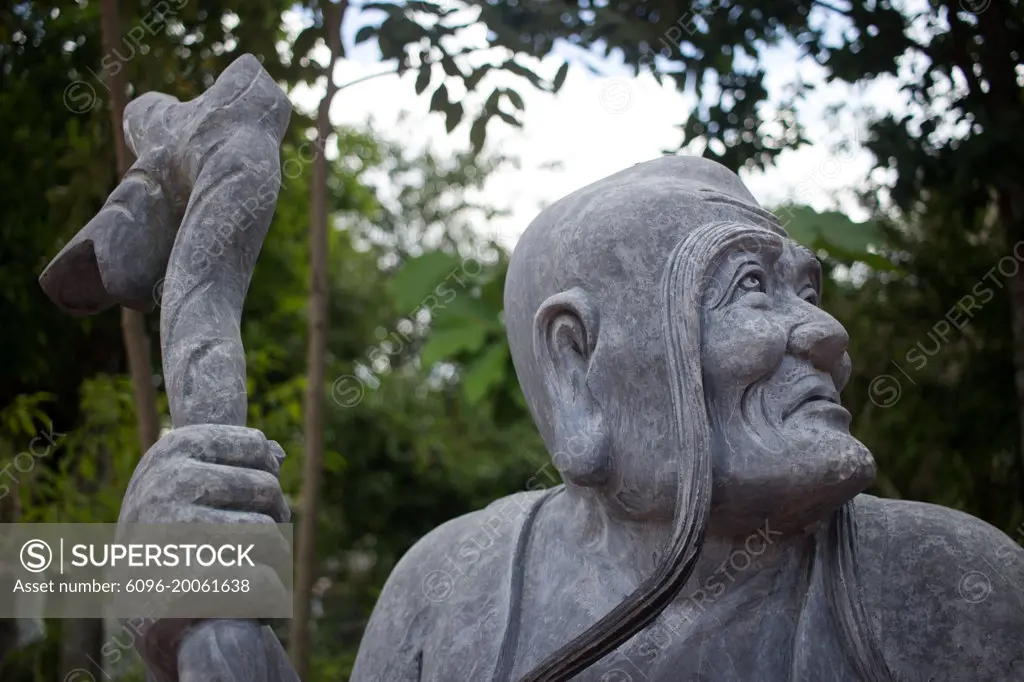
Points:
[[365, 78], [831, 7]]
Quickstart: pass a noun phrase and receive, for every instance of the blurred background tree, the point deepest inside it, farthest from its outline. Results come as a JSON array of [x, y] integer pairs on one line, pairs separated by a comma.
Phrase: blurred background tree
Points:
[[423, 418]]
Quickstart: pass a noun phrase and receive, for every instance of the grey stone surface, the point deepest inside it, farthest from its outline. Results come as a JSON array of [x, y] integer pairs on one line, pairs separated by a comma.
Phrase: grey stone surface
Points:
[[674, 355], [185, 225], [672, 348]]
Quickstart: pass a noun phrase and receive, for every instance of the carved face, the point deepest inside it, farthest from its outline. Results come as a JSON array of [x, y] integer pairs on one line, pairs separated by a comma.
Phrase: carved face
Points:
[[774, 364]]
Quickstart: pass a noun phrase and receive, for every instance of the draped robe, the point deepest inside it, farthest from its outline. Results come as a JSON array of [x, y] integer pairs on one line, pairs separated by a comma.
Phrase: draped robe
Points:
[[453, 604]]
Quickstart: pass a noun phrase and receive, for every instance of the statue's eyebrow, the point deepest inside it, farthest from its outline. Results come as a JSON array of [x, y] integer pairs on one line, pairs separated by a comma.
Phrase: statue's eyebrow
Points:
[[807, 263]]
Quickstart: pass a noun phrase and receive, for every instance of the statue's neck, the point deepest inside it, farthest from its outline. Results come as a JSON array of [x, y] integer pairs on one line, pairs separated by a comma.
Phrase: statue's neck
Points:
[[637, 548]]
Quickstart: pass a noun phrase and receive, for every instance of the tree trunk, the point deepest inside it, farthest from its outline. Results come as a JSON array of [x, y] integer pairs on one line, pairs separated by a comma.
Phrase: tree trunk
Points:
[[1011, 215], [305, 569], [81, 639], [136, 344], [136, 341], [1002, 102]]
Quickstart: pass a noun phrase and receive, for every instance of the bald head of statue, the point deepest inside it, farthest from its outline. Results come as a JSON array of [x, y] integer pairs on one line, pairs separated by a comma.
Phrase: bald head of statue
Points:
[[668, 338]]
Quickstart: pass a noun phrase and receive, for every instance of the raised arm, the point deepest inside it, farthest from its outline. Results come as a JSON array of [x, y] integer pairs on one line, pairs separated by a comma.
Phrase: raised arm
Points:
[[193, 211]]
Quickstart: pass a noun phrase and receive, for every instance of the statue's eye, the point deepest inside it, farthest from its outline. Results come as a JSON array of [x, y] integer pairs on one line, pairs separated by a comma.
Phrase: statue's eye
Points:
[[751, 282]]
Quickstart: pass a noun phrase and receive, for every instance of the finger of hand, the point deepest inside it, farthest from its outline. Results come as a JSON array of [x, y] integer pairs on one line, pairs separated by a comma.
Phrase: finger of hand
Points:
[[277, 452], [236, 446], [233, 488]]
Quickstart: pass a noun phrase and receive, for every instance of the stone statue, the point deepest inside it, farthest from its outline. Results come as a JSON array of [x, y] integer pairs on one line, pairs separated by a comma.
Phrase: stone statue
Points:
[[671, 345], [672, 349], [185, 225]]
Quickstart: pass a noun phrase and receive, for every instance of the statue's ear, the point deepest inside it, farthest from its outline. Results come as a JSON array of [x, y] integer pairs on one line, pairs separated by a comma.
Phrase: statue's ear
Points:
[[565, 334]]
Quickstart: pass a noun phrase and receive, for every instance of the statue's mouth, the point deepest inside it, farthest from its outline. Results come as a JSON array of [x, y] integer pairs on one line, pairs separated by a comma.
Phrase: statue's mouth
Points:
[[816, 393]]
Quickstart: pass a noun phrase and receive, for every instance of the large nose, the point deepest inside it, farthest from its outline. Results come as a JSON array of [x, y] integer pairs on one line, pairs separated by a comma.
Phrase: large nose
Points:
[[819, 338]]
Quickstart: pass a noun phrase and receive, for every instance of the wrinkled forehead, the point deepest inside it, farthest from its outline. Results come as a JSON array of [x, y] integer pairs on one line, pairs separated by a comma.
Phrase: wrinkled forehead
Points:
[[628, 232], [739, 210]]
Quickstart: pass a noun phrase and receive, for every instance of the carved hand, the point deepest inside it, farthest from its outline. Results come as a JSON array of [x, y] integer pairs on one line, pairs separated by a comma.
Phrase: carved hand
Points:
[[208, 473], [193, 211], [203, 474]]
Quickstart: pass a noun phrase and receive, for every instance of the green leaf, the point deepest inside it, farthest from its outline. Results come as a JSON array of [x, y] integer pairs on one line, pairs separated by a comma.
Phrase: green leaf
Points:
[[447, 343], [877, 262], [423, 79], [419, 278], [439, 101], [25, 419], [365, 33], [463, 308], [838, 230], [453, 115], [519, 399], [420, 6], [87, 468], [478, 133], [388, 7], [449, 66], [508, 118], [476, 76], [829, 229], [563, 71], [492, 292], [516, 100], [487, 371], [334, 462], [800, 230], [520, 70], [304, 42]]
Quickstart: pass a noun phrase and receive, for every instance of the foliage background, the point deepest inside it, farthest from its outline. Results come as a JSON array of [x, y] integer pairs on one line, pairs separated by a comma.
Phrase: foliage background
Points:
[[442, 428]]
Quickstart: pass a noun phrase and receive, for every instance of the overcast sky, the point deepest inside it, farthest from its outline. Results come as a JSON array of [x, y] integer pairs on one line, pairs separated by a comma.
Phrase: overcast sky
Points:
[[599, 124]]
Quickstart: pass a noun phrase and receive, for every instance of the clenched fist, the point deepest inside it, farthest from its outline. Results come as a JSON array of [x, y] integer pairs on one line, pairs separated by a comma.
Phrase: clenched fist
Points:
[[208, 474]]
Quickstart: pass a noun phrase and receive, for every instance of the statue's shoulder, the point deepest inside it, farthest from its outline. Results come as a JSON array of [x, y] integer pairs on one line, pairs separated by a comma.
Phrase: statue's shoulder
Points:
[[461, 547], [442, 589], [944, 590], [928, 530]]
